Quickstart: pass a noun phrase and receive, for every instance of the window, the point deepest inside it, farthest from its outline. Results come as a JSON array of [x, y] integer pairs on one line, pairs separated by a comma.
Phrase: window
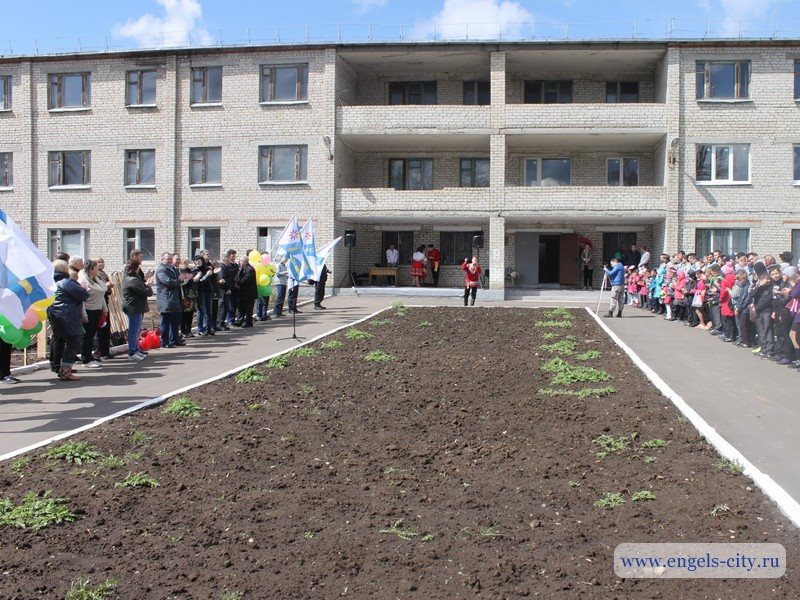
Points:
[[70, 90], [206, 85], [797, 165], [412, 92], [724, 164], [205, 166], [411, 173], [548, 171], [474, 172], [797, 80], [727, 241], [477, 92], [622, 91], [404, 243], [796, 243], [74, 242], [140, 88], [140, 167], [284, 83], [204, 238], [144, 240], [723, 80], [548, 92], [455, 246], [627, 175], [282, 164], [5, 92], [6, 169], [70, 168], [617, 243], [268, 238]]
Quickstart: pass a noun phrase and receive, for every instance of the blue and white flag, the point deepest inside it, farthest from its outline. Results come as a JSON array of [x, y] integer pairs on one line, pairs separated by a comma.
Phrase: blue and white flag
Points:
[[309, 250], [26, 276], [291, 246], [322, 256]]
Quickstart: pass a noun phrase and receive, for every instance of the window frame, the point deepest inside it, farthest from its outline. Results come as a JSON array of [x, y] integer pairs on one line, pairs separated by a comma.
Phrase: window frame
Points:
[[6, 171], [55, 235], [527, 92], [794, 242], [55, 103], [797, 80], [202, 242], [476, 85], [203, 150], [135, 241], [270, 229], [703, 92], [301, 84], [796, 164], [731, 164], [395, 236], [406, 169], [444, 246], [203, 80], [139, 103], [266, 152], [137, 154], [407, 92], [618, 92], [6, 87], [60, 156], [621, 181], [717, 244], [539, 160], [472, 171]]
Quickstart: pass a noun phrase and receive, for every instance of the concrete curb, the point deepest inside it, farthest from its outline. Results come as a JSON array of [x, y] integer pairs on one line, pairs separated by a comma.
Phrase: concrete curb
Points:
[[788, 505], [163, 397]]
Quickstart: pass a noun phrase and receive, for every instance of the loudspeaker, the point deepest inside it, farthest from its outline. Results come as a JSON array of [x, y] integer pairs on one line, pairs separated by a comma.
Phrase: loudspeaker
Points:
[[349, 238], [477, 241]]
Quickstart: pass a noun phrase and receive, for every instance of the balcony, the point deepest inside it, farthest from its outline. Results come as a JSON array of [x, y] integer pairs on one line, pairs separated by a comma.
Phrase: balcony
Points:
[[642, 118], [366, 202], [633, 204], [400, 120]]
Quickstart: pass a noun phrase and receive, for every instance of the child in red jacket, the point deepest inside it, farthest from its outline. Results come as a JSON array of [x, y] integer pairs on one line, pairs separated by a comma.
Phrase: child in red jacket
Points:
[[472, 271]]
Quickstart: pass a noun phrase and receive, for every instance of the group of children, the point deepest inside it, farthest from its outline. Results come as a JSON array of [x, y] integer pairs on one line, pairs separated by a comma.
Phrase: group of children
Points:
[[753, 305]]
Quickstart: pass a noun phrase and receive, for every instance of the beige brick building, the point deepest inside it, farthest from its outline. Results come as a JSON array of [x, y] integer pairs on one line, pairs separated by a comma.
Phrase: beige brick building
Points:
[[674, 145]]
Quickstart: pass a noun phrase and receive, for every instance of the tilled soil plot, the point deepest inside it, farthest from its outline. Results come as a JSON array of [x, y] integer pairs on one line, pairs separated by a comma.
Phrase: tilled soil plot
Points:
[[442, 473]]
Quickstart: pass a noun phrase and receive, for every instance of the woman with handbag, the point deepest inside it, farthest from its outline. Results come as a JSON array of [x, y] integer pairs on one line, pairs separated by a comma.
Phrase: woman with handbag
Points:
[[95, 310], [135, 292]]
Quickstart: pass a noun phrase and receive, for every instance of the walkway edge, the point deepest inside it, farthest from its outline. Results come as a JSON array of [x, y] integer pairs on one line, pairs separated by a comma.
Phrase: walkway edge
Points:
[[163, 397], [775, 492]]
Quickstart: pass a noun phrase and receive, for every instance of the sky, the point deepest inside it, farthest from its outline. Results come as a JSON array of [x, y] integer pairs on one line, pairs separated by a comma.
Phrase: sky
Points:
[[54, 25]]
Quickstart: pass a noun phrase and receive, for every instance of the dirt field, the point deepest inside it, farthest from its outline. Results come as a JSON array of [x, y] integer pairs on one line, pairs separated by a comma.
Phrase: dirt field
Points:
[[443, 472]]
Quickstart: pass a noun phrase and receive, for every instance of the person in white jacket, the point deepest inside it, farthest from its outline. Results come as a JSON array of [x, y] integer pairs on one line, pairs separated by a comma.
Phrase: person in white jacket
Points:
[[95, 310]]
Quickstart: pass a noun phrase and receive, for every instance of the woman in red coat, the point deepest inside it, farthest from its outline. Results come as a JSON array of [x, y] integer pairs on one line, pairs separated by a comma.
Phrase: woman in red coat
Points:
[[472, 271], [728, 320]]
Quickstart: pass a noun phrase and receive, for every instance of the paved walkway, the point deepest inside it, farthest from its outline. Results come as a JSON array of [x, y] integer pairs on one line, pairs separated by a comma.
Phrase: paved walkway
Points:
[[41, 407], [754, 404]]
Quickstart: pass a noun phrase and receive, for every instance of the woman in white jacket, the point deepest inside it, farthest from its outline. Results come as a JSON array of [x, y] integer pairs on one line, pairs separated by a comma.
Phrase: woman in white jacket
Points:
[[95, 310]]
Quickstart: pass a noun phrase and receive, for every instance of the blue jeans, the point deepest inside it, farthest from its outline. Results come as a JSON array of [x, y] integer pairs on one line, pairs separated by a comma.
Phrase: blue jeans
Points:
[[204, 323], [280, 295], [134, 327], [262, 308], [170, 325], [224, 309]]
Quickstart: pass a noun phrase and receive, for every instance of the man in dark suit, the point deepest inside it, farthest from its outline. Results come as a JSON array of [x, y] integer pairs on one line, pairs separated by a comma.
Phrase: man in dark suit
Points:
[[319, 290], [168, 301], [247, 286]]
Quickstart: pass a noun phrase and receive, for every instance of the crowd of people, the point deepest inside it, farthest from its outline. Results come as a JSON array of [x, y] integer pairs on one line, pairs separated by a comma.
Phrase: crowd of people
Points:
[[742, 299], [194, 298]]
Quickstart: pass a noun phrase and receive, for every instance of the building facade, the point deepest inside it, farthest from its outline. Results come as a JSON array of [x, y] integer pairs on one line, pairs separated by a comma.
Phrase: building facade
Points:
[[674, 145]]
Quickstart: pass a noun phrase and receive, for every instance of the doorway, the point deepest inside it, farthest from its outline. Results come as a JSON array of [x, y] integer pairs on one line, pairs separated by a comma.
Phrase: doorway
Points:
[[549, 252]]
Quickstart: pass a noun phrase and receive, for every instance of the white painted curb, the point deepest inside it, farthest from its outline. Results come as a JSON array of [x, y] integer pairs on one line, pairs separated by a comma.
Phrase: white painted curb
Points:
[[162, 398], [781, 497]]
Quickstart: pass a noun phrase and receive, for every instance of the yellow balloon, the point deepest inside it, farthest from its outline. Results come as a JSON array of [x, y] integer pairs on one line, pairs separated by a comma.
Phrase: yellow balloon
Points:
[[44, 303], [41, 314], [263, 279], [271, 270], [254, 257]]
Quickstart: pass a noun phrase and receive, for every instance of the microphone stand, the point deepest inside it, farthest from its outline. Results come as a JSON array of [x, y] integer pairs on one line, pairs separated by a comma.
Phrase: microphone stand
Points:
[[294, 335]]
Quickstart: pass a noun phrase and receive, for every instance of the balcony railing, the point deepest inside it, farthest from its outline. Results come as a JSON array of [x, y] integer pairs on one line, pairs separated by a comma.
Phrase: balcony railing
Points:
[[644, 116], [585, 198], [366, 201], [412, 119]]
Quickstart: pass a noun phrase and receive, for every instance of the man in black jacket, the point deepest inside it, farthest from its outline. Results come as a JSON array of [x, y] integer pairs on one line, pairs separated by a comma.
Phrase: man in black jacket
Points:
[[229, 294], [248, 290], [762, 300], [319, 290]]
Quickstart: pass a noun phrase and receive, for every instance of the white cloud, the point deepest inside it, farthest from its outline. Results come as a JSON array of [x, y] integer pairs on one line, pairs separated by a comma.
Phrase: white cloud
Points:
[[704, 4], [486, 19], [172, 29], [734, 11], [363, 6]]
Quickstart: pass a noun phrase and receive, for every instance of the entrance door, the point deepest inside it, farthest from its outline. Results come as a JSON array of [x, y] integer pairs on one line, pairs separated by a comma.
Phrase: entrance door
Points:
[[549, 253], [526, 261], [568, 267]]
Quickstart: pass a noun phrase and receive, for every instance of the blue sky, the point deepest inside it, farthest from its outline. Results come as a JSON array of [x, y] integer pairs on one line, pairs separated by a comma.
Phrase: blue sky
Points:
[[136, 21]]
